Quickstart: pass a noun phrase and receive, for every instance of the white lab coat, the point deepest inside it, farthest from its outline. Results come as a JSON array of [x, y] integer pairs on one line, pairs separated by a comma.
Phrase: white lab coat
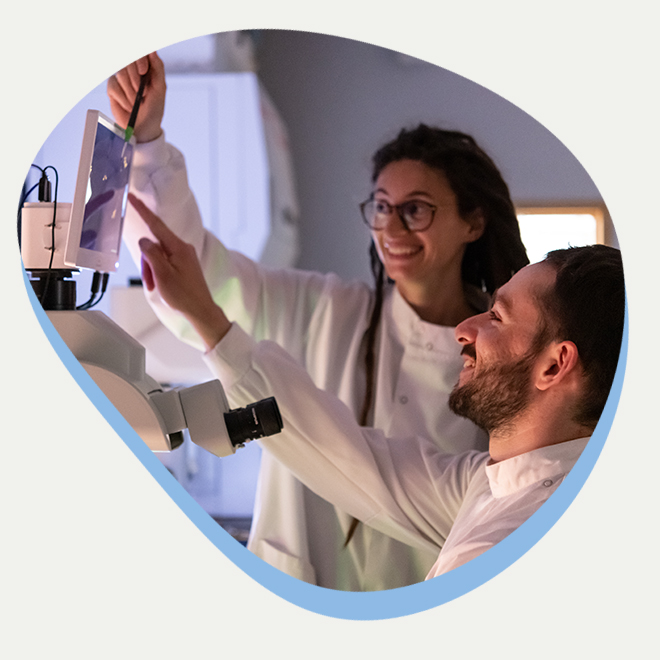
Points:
[[459, 505], [320, 320]]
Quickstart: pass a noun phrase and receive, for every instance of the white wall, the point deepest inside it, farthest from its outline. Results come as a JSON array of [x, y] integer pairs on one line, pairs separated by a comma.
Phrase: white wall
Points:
[[342, 99]]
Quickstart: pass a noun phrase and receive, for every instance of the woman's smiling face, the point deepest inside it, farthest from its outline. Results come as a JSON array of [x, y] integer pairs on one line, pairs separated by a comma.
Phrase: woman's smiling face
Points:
[[423, 258]]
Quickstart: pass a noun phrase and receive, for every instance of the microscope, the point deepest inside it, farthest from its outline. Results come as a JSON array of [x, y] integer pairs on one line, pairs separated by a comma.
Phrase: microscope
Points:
[[59, 239]]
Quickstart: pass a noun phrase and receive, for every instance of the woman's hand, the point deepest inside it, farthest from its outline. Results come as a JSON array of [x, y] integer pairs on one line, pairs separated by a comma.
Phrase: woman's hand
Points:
[[122, 90], [171, 266]]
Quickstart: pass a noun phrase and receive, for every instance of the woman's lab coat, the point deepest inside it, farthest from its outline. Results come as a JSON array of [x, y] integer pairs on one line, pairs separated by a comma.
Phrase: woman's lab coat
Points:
[[320, 320]]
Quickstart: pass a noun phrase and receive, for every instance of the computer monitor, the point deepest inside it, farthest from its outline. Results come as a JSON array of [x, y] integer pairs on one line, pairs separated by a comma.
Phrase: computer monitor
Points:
[[99, 201]]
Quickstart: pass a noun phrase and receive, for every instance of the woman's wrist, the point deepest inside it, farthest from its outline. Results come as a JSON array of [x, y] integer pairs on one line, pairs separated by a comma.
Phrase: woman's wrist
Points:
[[148, 134]]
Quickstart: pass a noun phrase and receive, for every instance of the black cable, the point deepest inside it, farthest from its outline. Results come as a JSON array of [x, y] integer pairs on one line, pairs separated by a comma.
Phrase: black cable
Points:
[[95, 287], [19, 219], [21, 202], [99, 282], [52, 249], [27, 194]]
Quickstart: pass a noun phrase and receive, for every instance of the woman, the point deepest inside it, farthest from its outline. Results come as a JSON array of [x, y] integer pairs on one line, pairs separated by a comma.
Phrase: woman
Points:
[[444, 235]]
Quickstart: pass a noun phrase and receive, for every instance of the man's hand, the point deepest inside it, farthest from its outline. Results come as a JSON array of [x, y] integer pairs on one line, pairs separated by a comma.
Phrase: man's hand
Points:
[[171, 266], [122, 90]]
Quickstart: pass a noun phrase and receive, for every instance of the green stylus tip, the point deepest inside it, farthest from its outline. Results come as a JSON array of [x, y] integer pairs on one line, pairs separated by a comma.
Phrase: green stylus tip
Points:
[[129, 133]]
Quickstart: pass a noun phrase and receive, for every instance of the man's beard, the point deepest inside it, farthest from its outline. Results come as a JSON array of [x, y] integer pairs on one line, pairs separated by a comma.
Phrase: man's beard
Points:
[[493, 398]]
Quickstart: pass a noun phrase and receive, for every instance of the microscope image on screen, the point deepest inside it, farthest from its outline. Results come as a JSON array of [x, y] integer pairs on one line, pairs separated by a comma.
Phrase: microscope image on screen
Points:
[[106, 192]]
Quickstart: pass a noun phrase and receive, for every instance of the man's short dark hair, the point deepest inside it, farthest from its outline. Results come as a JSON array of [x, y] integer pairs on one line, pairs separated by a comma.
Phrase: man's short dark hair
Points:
[[587, 306]]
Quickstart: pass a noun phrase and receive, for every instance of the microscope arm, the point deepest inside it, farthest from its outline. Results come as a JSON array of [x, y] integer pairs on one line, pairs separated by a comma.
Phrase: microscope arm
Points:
[[116, 363]]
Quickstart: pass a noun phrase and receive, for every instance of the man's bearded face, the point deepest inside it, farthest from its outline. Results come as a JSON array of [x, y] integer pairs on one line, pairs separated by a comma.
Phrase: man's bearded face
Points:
[[496, 393]]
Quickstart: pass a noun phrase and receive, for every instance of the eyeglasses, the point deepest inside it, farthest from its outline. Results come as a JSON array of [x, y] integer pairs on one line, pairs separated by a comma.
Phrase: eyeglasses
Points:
[[414, 214]]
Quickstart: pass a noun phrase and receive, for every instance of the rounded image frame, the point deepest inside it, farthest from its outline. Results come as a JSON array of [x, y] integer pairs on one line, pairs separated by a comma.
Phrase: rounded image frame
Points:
[[352, 605]]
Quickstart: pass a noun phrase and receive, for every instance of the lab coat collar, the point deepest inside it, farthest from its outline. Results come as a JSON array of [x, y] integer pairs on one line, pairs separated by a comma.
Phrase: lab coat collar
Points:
[[408, 325], [547, 463]]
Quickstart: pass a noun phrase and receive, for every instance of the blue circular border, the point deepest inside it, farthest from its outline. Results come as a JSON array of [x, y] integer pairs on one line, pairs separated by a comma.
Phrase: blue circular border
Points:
[[353, 605]]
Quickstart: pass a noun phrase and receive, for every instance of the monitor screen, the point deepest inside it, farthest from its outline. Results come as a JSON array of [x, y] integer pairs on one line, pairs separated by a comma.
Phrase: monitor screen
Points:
[[99, 202]]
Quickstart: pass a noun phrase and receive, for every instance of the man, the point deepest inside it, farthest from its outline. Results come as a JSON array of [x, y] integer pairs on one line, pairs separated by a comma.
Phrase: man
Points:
[[537, 372]]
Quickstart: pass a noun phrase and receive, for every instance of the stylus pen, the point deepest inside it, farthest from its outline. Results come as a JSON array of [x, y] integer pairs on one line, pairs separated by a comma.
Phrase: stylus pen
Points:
[[136, 106]]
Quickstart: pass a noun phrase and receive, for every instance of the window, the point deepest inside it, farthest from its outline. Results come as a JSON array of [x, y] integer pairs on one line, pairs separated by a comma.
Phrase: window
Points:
[[550, 228]]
